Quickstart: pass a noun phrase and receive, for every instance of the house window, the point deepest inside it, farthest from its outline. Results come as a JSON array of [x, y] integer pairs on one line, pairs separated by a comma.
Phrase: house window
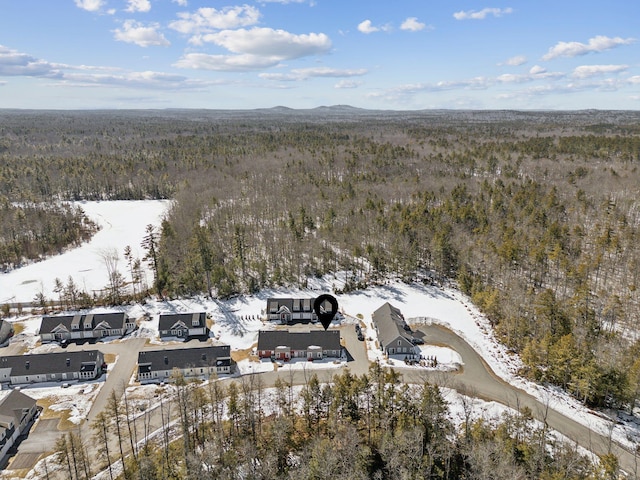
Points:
[[398, 342]]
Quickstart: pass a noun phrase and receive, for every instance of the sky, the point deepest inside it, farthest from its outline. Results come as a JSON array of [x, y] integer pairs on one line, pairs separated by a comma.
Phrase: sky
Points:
[[391, 54]]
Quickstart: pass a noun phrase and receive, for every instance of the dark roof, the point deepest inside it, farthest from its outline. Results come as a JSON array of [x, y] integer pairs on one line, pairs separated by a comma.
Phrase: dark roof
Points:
[[14, 403], [292, 304], [166, 359], [167, 320], [43, 363], [114, 319], [389, 322], [270, 339]]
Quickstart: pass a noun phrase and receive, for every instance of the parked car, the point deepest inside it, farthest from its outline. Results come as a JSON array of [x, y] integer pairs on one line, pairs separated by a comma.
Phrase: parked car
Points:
[[360, 336], [417, 341]]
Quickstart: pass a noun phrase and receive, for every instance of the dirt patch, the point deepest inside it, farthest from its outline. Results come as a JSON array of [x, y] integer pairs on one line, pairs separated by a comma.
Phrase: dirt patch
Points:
[[238, 355], [109, 357]]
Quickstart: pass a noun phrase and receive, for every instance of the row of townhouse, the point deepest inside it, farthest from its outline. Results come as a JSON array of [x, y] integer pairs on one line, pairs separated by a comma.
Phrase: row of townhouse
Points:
[[156, 365], [91, 326], [51, 367], [198, 362], [285, 345], [291, 310], [83, 326]]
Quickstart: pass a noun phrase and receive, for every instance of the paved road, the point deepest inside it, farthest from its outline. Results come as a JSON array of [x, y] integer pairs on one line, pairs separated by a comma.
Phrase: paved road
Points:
[[478, 380], [119, 374]]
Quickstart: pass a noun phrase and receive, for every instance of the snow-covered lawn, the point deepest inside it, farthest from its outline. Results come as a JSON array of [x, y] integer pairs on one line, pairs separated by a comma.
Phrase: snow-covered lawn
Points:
[[121, 223]]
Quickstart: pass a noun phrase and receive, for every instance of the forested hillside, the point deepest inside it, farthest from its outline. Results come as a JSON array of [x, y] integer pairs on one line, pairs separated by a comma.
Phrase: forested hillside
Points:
[[535, 215]]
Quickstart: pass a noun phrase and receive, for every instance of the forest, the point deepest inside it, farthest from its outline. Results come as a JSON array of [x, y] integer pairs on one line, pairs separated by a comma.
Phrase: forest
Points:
[[535, 215], [371, 426]]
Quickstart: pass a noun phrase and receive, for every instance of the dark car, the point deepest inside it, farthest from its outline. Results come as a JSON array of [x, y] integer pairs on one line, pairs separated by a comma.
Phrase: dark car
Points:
[[360, 336], [417, 341]]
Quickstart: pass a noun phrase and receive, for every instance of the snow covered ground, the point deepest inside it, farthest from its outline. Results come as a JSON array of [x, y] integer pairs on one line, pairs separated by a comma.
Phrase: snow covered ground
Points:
[[122, 223], [237, 321]]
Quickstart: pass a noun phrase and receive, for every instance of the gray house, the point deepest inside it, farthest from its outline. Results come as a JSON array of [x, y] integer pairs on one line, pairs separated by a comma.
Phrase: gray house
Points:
[[83, 326], [291, 310], [183, 325], [285, 345], [51, 367], [198, 362], [17, 413], [393, 334]]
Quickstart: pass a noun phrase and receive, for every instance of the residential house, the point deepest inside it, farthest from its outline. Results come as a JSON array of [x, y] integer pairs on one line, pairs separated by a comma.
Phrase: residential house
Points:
[[199, 362], [17, 413], [393, 332], [291, 310], [285, 345], [183, 325], [51, 367], [82, 326]]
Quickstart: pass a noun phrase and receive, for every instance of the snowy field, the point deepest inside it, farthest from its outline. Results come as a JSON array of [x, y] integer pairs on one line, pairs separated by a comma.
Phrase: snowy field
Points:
[[237, 321], [121, 223]]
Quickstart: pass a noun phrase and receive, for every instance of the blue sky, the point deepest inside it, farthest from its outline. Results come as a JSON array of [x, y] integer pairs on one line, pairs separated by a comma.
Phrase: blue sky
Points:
[[391, 54]]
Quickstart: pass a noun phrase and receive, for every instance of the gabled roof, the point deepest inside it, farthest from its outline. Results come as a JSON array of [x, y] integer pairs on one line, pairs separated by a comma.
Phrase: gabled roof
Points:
[[167, 359], [274, 305], [44, 363], [12, 406], [168, 320], [389, 321], [51, 322], [270, 339]]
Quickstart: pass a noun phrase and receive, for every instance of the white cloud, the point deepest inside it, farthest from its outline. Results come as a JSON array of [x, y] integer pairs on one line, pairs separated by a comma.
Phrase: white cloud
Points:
[[537, 70], [412, 24], [635, 79], [596, 44], [286, 2], [305, 73], [513, 78], [138, 6], [367, 27], [209, 19], [226, 63], [515, 61], [482, 14], [144, 36], [344, 84], [14, 63], [90, 5], [268, 42], [585, 71], [182, 3], [329, 72]]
